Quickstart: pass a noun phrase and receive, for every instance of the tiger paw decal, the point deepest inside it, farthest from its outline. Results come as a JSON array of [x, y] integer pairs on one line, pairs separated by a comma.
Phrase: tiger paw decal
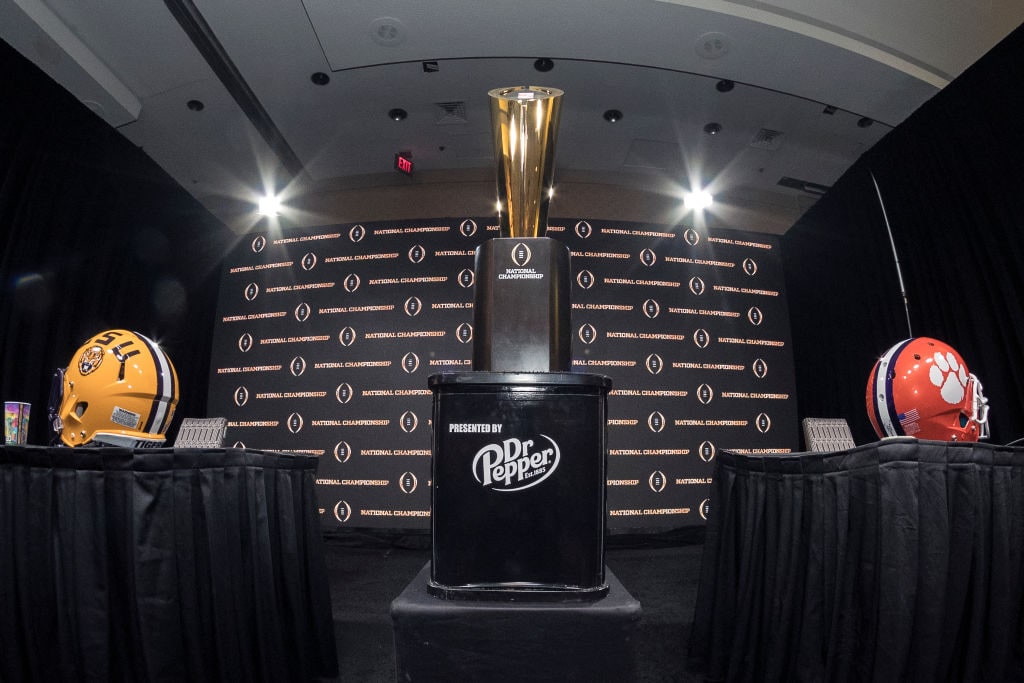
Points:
[[951, 377]]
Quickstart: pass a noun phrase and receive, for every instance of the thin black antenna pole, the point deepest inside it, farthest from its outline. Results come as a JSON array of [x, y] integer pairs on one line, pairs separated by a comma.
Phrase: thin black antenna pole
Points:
[[895, 255]]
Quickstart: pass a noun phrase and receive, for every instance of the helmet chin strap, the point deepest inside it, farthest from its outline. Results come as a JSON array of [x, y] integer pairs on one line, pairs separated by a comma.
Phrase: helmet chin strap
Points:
[[979, 407]]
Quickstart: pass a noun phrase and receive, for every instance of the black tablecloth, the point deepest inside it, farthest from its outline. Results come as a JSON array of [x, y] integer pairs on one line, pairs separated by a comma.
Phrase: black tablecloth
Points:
[[895, 561], [161, 565]]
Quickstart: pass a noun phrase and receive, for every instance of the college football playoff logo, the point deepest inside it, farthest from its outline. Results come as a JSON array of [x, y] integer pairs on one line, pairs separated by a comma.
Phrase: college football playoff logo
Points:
[[351, 283], [407, 482], [259, 244], [749, 266], [583, 230], [409, 422], [344, 393], [706, 451], [654, 364], [587, 333], [696, 286], [585, 279], [467, 228], [413, 306], [466, 278], [245, 343], [705, 394], [302, 312], [701, 338], [759, 368], [342, 511], [347, 336], [241, 396], [410, 362], [295, 423], [656, 422], [763, 423], [309, 261], [356, 233], [464, 333], [252, 290], [691, 237], [651, 309], [298, 366], [648, 257], [521, 254], [417, 253], [657, 481], [342, 451]]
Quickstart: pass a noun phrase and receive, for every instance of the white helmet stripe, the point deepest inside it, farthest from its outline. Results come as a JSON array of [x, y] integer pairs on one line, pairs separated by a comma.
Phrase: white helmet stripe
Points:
[[160, 412], [885, 406]]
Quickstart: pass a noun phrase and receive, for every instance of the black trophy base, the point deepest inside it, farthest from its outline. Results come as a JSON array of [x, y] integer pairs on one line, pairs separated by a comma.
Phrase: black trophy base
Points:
[[518, 495], [445, 640], [517, 592], [521, 306]]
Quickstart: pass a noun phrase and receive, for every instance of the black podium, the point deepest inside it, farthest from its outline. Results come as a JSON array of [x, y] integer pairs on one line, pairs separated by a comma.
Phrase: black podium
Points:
[[489, 640]]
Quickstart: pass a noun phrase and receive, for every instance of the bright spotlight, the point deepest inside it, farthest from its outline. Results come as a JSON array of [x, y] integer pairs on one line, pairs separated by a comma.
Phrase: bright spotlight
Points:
[[697, 201], [269, 206]]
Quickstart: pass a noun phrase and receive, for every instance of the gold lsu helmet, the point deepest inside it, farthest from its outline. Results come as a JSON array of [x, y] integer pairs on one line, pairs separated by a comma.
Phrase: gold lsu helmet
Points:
[[120, 389]]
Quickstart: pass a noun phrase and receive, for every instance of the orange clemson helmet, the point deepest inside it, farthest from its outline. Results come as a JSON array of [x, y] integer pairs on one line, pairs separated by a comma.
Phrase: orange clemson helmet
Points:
[[921, 387]]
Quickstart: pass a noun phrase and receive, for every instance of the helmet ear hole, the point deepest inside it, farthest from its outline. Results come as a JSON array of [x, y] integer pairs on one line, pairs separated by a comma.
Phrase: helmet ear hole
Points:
[[80, 408]]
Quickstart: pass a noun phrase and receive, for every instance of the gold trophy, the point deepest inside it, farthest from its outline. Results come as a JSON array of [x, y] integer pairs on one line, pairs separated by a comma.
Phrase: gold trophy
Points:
[[521, 317], [525, 125]]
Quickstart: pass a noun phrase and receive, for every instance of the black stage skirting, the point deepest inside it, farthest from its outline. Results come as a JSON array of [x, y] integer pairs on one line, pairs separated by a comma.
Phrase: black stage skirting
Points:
[[895, 561], [158, 565]]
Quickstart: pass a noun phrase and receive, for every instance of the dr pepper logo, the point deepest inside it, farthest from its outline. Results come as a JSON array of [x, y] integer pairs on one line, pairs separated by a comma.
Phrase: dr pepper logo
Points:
[[516, 464]]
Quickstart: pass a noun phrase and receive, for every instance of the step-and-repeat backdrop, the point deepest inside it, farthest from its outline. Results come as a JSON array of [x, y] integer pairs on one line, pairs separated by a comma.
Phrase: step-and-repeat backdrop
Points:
[[325, 338]]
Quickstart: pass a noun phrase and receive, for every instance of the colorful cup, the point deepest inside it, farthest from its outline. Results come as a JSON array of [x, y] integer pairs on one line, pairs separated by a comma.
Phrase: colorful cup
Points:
[[16, 422]]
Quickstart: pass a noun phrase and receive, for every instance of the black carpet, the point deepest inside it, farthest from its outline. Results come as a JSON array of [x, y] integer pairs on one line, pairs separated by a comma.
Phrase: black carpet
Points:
[[367, 573]]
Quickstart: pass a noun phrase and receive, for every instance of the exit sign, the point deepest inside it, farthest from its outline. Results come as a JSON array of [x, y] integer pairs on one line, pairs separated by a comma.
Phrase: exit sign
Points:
[[403, 163]]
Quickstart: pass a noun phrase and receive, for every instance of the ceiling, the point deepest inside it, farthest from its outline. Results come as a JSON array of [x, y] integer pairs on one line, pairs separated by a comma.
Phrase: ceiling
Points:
[[234, 96]]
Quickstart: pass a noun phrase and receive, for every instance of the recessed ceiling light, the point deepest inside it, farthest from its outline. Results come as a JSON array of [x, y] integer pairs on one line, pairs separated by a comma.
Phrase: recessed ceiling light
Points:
[[864, 122], [195, 105], [724, 85], [397, 114], [387, 31], [712, 45], [613, 116], [320, 78], [713, 128], [544, 65]]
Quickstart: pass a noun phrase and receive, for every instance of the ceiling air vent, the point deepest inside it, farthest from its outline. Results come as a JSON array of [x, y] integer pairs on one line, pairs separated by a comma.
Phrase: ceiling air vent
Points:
[[449, 113], [803, 185], [767, 139]]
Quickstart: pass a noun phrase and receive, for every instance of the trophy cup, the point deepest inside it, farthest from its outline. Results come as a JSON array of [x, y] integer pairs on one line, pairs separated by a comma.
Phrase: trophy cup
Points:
[[521, 309]]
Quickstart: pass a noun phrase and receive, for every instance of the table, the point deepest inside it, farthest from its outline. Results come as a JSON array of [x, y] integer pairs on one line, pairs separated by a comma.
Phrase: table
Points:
[[897, 560], [161, 564]]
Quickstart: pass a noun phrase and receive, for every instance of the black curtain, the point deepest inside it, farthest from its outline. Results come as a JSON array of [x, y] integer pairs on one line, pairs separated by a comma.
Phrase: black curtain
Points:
[[950, 177], [93, 236], [895, 561]]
